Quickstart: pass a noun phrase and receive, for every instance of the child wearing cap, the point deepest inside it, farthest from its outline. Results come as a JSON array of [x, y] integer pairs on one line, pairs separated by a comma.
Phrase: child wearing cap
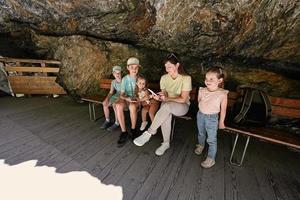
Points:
[[111, 99], [128, 99]]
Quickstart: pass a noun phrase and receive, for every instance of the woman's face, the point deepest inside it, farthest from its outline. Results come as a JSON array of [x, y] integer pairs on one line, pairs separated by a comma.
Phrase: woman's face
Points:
[[171, 68]]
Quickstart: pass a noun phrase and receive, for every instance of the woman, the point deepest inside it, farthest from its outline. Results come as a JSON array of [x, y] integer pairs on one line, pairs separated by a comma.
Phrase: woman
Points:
[[175, 90]]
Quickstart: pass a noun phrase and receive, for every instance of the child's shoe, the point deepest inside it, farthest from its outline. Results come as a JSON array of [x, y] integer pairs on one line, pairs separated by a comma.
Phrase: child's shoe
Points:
[[141, 140], [163, 147], [113, 127], [104, 125], [208, 163], [122, 139], [143, 125], [198, 150], [134, 134]]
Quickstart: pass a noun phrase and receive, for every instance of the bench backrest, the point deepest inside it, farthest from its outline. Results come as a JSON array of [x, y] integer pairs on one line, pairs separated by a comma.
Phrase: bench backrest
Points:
[[28, 76], [280, 106]]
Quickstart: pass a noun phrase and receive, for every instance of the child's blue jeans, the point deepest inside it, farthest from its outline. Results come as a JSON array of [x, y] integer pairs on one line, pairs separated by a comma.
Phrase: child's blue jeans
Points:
[[207, 131]]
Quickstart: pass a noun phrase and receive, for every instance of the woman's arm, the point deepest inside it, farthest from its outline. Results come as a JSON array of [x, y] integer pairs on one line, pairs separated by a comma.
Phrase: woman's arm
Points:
[[223, 112], [182, 98]]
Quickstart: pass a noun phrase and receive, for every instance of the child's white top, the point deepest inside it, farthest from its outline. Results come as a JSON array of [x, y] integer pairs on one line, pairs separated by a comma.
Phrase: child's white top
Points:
[[210, 102]]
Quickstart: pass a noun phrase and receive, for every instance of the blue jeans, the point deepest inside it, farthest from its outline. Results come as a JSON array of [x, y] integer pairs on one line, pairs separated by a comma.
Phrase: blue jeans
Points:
[[207, 131]]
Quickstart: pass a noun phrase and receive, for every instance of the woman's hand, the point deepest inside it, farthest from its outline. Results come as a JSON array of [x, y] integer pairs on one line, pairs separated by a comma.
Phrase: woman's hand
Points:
[[162, 96]]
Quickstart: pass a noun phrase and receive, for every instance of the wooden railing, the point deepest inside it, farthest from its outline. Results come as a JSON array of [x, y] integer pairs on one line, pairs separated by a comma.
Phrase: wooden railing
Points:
[[29, 76]]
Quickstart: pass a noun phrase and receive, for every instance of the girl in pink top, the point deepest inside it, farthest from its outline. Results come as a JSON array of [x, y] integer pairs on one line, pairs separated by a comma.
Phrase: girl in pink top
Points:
[[212, 110]]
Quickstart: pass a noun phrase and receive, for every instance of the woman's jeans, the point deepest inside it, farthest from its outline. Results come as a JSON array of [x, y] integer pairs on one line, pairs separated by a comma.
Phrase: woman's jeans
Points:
[[207, 131]]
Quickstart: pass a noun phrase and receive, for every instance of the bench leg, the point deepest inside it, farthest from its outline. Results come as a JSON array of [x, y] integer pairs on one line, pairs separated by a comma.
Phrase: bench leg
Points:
[[173, 128], [244, 151], [92, 111]]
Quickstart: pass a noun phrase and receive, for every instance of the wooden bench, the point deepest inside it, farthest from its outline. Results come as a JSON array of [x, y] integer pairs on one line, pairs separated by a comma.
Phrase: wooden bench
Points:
[[105, 84], [30, 76], [281, 107]]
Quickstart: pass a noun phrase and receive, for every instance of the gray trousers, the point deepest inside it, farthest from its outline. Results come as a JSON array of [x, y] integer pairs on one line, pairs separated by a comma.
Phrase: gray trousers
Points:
[[163, 118]]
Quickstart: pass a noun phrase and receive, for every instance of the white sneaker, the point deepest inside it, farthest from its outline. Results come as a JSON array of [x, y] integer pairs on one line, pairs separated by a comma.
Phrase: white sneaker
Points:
[[163, 147], [198, 150], [143, 125], [208, 162], [141, 140]]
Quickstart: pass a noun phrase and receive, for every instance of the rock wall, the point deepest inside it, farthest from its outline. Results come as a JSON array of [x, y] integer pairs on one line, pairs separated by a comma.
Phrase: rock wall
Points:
[[89, 37]]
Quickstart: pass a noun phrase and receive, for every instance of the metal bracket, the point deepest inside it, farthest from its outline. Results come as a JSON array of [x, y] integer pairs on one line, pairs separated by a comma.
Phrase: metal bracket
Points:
[[239, 163]]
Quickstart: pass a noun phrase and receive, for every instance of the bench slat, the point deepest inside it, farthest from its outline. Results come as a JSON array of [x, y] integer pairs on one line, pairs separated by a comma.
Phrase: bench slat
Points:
[[35, 85], [268, 134], [93, 99]]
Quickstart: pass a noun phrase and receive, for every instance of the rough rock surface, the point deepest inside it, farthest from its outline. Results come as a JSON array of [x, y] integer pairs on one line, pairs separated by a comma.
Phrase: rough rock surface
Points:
[[266, 29], [89, 37]]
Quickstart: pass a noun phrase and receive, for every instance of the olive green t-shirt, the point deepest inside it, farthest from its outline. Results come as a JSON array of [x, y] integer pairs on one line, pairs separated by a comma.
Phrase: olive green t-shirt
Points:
[[174, 87]]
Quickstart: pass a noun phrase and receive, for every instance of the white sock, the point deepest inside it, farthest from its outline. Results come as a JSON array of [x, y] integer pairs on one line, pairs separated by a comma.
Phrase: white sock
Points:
[[107, 120]]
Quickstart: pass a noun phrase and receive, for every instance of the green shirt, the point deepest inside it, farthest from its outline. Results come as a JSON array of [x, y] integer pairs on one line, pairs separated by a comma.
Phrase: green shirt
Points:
[[128, 86], [174, 87]]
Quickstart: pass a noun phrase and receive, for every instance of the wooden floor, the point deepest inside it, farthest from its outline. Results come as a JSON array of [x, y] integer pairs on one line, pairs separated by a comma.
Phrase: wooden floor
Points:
[[58, 133]]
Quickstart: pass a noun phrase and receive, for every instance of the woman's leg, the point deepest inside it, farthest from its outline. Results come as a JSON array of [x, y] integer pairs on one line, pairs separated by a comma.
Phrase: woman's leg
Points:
[[162, 118], [176, 109], [164, 113]]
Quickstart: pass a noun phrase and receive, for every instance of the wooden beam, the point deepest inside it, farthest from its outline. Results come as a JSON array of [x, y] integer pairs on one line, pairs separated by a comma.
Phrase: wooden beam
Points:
[[5, 59], [31, 69]]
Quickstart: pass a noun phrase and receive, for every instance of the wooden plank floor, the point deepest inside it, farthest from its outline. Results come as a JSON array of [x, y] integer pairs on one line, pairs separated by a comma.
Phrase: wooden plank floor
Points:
[[58, 133]]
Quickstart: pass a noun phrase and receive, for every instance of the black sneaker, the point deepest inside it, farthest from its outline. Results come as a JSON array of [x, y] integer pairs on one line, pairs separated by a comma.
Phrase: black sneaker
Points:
[[134, 134], [105, 124], [122, 139], [113, 127]]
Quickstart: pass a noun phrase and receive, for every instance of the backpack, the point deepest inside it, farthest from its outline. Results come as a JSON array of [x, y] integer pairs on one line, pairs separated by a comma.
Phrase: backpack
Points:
[[252, 107]]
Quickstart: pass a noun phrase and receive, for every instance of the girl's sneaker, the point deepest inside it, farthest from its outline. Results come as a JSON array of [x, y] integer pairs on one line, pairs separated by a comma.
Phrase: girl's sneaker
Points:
[[208, 163], [198, 150], [143, 125], [163, 147]]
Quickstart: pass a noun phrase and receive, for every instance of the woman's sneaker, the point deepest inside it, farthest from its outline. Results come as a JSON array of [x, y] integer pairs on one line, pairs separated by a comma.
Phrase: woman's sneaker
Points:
[[143, 125], [141, 140], [208, 163], [198, 150], [163, 147]]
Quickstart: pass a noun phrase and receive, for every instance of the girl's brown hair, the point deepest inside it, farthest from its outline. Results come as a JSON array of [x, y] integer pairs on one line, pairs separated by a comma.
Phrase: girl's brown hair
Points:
[[173, 58], [142, 78], [220, 72]]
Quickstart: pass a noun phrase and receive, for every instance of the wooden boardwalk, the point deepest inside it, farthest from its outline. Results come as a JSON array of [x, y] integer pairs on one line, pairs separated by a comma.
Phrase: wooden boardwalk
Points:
[[58, 133]]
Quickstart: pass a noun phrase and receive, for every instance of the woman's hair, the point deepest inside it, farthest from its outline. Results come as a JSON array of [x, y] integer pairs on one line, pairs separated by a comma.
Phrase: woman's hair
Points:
[[220, 72], [174, 59]]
